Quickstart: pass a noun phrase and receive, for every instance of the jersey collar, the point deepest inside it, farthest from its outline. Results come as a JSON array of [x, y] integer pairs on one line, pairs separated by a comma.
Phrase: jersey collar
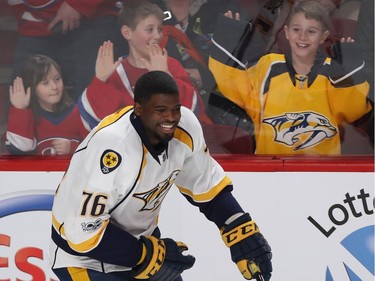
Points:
[[155, 151]]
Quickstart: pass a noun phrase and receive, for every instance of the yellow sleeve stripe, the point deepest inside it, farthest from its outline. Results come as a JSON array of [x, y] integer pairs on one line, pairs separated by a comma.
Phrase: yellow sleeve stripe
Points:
[[113, 117], [144, 162], [83, 246], [57, 226], [90, 243], [78, 274], [209, 195], [184, 137]]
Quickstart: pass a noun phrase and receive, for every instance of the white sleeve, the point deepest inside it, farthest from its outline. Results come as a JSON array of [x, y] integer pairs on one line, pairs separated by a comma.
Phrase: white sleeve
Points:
[[201, 177]]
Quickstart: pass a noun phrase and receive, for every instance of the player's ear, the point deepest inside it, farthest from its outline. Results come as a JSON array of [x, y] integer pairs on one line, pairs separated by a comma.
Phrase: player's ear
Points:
[[137, 109], [126, 32]]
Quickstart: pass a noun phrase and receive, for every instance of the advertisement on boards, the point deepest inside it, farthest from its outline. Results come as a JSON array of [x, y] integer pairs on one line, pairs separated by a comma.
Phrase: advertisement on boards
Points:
[[320, 226]]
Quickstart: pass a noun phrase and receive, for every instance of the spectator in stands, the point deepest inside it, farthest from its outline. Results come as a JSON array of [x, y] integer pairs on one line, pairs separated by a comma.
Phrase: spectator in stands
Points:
[[187, 35], [68, 31], [299, 99], [268, 19], [112, 87], [196, 19], [276, 17], [180, 47], [42, 118]]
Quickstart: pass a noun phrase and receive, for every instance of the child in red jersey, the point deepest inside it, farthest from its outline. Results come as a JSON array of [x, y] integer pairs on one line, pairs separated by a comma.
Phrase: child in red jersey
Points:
[[112, 87], [42, 119]]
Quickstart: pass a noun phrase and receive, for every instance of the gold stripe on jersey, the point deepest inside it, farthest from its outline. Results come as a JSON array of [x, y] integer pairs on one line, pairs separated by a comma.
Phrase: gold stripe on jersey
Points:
[[78, 274], [114, 117], [207, 196], [57, 226], [144, 162], [184, 137], [86, 245]]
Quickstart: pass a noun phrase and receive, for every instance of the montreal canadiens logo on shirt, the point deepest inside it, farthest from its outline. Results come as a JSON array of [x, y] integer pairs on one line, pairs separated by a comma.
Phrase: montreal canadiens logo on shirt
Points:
[[109, 161]]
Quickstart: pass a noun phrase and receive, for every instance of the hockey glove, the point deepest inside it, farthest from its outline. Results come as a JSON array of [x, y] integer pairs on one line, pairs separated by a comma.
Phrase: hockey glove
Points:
[[162, 259], [347, 66], [248, 247]]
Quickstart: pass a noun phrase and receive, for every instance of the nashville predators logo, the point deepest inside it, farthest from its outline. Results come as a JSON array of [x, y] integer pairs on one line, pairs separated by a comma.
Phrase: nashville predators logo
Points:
[[109, 161], [154, 197], [301, 130]]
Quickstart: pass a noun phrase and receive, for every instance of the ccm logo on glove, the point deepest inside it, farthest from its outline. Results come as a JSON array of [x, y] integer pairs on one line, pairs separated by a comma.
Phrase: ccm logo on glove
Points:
[[239, 233]]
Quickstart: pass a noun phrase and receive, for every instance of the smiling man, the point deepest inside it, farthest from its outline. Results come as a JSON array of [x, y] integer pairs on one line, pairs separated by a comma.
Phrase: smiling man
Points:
[[106, 208]]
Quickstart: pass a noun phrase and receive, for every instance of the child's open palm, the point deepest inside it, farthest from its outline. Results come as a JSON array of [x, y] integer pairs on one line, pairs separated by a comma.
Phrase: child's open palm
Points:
[[105, 65], [158, 59], [19, 98]]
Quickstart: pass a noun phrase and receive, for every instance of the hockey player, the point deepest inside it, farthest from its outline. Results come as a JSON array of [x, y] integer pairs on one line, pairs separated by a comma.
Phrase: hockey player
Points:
[[299, 100], [106, 208]]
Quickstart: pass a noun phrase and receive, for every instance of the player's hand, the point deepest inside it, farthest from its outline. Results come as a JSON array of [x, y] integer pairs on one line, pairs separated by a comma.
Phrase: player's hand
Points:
[[162, 260], [19, 98], [105, 65], [67, 16], [158, 59], [61, 146], [248, 247]]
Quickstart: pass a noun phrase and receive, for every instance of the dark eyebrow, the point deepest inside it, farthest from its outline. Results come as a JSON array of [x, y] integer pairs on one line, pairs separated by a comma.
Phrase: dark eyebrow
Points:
[[159, 106]]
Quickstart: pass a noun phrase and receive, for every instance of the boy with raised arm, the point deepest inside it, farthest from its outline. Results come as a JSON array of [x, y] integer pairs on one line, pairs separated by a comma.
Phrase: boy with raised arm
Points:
[[297, 100]]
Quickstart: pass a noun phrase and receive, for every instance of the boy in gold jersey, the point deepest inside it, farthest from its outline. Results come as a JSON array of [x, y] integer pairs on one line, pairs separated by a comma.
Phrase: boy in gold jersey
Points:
[[297, 100]]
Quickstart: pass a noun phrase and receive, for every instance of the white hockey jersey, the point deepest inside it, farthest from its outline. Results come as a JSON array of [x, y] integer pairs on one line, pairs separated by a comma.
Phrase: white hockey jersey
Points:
[[116, 183]]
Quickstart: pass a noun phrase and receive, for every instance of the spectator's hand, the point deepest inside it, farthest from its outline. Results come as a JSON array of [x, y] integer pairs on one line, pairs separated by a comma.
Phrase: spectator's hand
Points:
[[61, 146], [229, 14], [68, 16], [19, 98], [347, 40], [157, 59], [104, 62]]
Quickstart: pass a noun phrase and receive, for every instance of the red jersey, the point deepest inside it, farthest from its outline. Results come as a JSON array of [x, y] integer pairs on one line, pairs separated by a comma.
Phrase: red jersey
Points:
[[33, 16], [101, 99], [28, 134]]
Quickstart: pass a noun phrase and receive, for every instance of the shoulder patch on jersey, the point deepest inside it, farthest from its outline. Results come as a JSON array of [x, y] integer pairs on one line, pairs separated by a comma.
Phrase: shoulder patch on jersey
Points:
[[109, 161]]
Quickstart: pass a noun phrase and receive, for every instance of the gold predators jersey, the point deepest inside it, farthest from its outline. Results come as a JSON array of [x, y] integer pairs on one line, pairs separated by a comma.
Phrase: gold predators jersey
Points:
[[292, 114]]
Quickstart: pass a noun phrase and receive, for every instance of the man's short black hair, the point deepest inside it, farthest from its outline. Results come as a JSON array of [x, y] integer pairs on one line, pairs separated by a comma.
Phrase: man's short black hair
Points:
[[154, 82]]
